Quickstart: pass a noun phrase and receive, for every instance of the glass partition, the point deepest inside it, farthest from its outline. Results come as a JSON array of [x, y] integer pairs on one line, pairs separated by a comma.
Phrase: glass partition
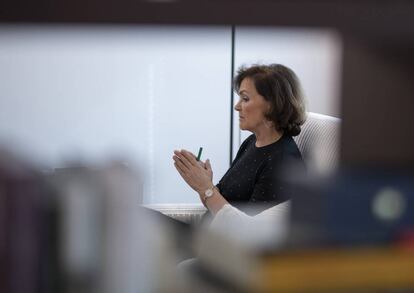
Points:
[[135, 93]]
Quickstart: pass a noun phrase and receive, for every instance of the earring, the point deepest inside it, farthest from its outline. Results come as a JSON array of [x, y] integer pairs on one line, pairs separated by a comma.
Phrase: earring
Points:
[[268, 123]]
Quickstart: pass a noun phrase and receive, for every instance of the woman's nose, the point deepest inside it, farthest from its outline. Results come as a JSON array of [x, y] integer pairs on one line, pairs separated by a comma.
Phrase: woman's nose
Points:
[[237, 106]]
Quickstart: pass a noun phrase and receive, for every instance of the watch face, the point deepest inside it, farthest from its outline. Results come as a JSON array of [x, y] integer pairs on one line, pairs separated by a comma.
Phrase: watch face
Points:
[[209, 192]]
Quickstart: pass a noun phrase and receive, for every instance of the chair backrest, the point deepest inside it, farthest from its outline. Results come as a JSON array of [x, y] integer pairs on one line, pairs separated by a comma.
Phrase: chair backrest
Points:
[[319, 142]]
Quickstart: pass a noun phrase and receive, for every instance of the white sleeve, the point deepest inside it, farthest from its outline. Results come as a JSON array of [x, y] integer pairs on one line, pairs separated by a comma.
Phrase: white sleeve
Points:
[[270, 225]]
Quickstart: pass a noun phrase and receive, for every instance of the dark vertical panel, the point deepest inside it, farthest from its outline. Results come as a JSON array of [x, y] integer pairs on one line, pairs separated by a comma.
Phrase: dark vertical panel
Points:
[[233, 41], [377, 103]]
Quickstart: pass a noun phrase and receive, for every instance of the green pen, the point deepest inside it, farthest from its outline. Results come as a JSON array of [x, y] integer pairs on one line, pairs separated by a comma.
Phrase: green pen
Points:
[[199, 153]]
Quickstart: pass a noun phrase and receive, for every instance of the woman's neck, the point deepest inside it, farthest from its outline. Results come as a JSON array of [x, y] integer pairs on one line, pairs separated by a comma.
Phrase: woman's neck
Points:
[[267, 136]]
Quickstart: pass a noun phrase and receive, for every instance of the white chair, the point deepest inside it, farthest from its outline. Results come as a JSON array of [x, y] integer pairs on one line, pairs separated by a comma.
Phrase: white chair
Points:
[[319, 142]]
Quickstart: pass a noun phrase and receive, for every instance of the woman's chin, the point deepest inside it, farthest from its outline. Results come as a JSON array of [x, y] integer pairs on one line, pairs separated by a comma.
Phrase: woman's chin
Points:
[[242, 127]]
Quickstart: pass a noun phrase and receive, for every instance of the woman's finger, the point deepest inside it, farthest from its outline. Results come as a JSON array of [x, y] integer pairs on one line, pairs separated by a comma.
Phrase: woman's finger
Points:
[[190, 157], [190, 154], [202, 164], [208, 165], [182, 173], [183, 158], [180, 163]]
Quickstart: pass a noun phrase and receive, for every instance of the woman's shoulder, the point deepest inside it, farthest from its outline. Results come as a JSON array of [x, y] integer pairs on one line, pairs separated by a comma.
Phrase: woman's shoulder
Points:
[[287, 148], [244, 147], [289, 142], [291, 146], [250, 138], [283, 156], [292, 155], [248, 141]]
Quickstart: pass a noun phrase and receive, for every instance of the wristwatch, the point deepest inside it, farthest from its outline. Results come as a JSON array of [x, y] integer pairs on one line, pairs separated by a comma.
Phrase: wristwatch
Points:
[[208, 193]]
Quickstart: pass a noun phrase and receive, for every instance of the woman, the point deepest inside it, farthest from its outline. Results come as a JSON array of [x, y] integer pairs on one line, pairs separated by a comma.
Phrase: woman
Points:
[[271, 106]]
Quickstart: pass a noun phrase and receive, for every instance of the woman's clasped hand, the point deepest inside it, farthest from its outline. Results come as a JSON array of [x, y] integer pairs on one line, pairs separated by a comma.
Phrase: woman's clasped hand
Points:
[[197, 174]]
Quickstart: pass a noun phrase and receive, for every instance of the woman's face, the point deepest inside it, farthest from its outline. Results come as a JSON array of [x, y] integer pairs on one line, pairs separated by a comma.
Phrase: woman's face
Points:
[[251, 107]]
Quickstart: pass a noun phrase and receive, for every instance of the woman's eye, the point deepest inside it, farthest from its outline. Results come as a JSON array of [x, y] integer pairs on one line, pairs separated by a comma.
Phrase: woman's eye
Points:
[[245, 99]]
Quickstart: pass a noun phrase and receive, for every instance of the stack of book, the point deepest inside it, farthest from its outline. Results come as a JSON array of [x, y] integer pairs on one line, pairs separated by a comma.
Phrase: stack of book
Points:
[[75, 229]]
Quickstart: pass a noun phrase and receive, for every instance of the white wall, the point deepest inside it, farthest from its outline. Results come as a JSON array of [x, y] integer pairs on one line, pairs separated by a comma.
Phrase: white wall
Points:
[[131, 92]]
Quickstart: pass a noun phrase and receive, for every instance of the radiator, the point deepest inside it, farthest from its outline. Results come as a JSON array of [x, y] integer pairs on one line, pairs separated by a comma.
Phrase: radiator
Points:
[[190, 214]]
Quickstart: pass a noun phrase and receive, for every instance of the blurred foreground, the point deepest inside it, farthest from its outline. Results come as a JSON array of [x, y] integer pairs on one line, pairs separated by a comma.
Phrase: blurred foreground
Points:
[[78, 229], [82, 229]]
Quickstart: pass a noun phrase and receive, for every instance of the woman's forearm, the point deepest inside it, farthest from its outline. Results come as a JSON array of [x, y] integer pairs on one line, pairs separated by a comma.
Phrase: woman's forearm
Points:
[[215, 202]]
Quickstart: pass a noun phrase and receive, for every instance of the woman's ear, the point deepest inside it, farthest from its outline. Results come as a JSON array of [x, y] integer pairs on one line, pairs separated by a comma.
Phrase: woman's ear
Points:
[[269, 108], [268, 123]]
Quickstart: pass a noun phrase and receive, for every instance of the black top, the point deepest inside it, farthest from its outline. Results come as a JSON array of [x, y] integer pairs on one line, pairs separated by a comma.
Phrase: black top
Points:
[[256, 174]]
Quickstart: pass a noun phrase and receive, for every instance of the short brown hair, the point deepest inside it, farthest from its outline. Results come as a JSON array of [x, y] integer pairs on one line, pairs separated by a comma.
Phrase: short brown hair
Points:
[[280, 86]]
